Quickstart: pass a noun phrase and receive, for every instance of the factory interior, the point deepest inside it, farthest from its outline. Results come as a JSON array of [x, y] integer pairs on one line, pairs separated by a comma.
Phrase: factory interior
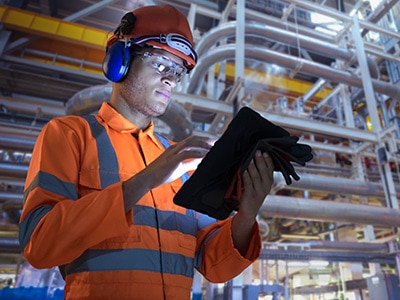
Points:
[[328, 71]]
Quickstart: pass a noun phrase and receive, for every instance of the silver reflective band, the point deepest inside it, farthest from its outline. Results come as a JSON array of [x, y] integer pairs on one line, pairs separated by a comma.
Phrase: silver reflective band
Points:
[[176, 42], [164, 65], [173, 40]]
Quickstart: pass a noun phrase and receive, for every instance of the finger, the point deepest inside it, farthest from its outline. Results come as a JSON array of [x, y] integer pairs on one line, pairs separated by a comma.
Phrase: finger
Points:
[[199, 140], [202, 144], [191, 154], [254, 173], [185, 150], [261, 173], [264, 165], [246, 179], [202, 151], [269, 164]]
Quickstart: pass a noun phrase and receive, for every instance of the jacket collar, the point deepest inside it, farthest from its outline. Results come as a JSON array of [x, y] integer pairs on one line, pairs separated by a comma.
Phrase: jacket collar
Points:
[[118, 122]]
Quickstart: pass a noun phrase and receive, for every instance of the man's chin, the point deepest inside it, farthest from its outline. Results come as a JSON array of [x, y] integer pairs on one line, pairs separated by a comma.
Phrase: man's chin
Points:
[[161, 110]]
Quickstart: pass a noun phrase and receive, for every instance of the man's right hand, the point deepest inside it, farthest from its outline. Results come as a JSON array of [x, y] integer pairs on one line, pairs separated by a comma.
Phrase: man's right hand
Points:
[[175, 161]]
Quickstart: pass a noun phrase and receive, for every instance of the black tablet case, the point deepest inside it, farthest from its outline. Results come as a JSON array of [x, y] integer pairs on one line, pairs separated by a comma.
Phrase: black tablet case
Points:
[[215, 187]]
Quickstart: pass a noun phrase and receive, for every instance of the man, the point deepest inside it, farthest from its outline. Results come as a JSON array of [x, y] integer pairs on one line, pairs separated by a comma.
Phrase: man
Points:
[[99, 190]]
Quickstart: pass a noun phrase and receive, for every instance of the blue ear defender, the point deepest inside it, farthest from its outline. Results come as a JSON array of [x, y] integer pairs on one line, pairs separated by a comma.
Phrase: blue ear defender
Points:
[[117, 61]]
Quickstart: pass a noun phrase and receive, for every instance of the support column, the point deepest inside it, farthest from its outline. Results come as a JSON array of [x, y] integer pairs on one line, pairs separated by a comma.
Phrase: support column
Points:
[[384, 169]]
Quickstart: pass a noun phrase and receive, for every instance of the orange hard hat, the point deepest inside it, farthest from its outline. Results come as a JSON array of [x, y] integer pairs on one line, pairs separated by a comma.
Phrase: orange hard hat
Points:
[[161, 26]]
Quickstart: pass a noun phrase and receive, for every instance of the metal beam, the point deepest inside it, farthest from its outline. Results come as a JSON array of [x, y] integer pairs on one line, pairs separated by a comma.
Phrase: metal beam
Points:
[[323, 128], [88, 10], [335, 256], [22, 20]]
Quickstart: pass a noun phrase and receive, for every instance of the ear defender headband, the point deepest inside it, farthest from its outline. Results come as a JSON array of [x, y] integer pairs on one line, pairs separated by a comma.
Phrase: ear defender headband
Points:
[[117, 60]]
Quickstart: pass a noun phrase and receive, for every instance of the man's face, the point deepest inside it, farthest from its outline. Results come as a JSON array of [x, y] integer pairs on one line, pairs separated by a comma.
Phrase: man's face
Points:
[[146, 89]]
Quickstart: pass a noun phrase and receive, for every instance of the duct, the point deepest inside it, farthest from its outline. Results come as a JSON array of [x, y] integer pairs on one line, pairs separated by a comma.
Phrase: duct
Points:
[[263, 18], [227, 30], [332, 256], [23, 128], [17, 142], [329, 211], [348, 246], [224, 52], [33, 105], [326, 250], [11, 197], [16, 182], [90, 99], [13, 169], [9, 245], [336, 185]]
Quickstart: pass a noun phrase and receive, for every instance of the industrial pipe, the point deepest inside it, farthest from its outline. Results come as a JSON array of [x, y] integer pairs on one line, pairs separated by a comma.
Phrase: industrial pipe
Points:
[[329, 211], [222, 53]]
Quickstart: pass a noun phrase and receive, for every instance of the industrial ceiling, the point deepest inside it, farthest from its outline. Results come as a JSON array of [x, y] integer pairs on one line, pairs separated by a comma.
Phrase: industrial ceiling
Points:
[[311, 67]]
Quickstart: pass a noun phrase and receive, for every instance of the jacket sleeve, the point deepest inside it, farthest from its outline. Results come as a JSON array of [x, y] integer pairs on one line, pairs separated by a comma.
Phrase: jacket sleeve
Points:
[[216, 257], [57, 224]]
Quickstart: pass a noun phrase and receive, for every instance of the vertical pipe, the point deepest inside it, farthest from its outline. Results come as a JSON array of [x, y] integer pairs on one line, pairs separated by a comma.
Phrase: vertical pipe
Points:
[[286, 280], [365, 76], [239, 54]]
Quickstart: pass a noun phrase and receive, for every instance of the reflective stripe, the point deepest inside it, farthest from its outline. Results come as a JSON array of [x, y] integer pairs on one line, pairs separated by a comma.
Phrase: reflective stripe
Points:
[[185, 177], [29, 224], [198, 257], [108, 163], [205, 220], [51, 183], [131, 260], [167, 220]]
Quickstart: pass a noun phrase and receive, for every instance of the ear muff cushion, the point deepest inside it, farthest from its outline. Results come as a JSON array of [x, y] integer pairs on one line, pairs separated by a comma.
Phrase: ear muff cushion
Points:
[[116, 62]]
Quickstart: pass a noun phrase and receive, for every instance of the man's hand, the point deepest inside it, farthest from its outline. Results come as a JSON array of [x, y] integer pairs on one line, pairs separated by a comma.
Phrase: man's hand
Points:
[[257, 183], [170, 165], [178, 159]]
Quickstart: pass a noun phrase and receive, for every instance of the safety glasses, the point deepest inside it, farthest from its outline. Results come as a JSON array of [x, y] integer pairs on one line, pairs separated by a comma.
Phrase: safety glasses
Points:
[[164, 65]]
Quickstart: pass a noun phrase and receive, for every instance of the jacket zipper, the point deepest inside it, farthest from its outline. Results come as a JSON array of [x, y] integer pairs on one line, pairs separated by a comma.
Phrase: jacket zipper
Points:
[[136, 136]]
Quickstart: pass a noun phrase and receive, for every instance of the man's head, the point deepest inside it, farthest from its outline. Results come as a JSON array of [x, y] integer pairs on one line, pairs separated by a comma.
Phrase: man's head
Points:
[[161, 26]]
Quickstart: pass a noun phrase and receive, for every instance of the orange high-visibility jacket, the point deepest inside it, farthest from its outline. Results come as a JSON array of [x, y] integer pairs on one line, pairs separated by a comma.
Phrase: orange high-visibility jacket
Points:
[[73, 216]]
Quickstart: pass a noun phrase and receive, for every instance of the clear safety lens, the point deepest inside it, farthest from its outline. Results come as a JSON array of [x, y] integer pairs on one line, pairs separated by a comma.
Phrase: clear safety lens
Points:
[[164, 65]]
